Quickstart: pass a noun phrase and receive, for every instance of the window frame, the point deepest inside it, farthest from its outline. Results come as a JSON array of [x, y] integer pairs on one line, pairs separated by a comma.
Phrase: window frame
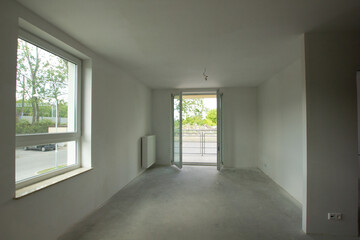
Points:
[[23, 140]]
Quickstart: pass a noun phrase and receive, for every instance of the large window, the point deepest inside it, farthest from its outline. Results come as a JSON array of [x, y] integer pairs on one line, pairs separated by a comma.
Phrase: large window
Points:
[[47, 110]]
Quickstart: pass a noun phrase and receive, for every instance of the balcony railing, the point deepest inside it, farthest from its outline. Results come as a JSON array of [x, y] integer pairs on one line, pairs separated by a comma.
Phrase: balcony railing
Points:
[[199, 141]]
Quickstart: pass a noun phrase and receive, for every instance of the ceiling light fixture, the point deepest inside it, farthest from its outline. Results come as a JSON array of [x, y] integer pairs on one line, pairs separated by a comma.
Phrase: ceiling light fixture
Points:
[[205, 76]]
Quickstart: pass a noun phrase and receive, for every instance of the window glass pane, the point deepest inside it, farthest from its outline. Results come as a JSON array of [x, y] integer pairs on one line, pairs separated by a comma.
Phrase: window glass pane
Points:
[[45, 91], [33, 161]]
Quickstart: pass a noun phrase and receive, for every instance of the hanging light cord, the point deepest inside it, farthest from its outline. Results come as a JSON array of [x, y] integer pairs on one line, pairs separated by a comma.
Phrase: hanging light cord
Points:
[[205, 76]]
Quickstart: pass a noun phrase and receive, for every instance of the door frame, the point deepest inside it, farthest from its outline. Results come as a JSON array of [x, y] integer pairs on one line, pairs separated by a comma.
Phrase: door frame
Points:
[[173, 93], [196, 91]]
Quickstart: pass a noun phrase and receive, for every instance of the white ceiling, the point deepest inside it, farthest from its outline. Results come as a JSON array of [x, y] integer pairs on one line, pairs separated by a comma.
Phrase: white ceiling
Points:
[[168, 43]]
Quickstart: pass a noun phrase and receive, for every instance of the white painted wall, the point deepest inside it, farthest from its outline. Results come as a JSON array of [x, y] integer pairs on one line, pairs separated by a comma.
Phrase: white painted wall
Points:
[[282, 128], [332, 60], [161, 124], [240, 126], [331, 63], [120, 116]]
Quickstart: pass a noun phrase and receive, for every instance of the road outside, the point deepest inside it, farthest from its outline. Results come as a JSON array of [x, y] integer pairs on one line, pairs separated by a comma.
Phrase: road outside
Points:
[[29, 162]]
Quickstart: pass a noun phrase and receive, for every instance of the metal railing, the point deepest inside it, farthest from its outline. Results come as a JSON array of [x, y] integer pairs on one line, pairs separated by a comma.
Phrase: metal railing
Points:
[[199, 141]]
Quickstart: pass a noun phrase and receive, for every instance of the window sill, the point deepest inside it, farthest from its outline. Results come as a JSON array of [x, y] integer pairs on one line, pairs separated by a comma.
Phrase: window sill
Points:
[[22, 192]]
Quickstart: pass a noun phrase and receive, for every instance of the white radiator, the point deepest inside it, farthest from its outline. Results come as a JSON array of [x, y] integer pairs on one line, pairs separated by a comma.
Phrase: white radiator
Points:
[[148, 153]]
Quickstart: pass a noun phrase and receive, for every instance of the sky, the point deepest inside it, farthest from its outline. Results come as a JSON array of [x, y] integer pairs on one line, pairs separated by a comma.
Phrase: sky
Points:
[[210, 103]]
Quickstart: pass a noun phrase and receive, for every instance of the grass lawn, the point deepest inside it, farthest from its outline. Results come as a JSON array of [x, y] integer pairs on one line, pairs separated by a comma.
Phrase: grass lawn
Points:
[[50, 169]]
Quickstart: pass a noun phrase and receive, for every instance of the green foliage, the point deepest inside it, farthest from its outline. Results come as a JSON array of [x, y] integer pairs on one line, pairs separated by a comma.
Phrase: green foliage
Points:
[[49, 110], [63, 110], [198, 120], [41, 78], [27, 110], [211, 117], [25, 127], [195, 113], [209, 123], [176, 124], [45, 110], [51, 169], [193, 107]]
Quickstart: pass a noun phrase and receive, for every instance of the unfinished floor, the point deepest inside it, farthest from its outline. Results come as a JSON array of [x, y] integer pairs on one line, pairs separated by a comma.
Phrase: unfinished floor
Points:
[[197, 202]]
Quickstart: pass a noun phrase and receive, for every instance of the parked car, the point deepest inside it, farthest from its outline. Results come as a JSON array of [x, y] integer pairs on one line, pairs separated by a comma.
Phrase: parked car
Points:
[[43, 148]]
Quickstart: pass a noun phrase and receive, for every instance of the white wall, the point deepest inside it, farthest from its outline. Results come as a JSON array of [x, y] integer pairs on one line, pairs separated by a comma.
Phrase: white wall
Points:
[[282, 128], [240, 130], [120, 116], [240, 126], [161, 125], [332, 60]]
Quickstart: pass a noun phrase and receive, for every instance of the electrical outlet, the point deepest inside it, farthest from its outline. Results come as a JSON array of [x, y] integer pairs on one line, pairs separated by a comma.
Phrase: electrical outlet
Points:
[[335, 216]]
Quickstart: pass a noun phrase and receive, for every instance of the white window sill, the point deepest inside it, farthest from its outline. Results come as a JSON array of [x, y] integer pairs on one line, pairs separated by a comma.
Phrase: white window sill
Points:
[[22, 192]]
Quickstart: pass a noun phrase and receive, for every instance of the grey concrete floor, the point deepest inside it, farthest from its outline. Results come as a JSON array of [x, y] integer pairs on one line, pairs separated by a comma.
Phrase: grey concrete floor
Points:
[[197, 202]]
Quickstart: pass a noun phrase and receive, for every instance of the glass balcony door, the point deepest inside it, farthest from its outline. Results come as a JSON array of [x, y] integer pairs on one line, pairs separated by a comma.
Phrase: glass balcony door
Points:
[[177, 129]]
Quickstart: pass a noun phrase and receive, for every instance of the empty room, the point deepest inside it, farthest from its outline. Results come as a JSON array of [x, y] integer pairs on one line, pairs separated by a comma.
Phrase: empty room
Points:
[[166, 119]]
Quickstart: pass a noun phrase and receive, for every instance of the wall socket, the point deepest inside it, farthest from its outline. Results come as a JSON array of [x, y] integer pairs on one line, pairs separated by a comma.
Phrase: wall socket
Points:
[[335, 216]]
